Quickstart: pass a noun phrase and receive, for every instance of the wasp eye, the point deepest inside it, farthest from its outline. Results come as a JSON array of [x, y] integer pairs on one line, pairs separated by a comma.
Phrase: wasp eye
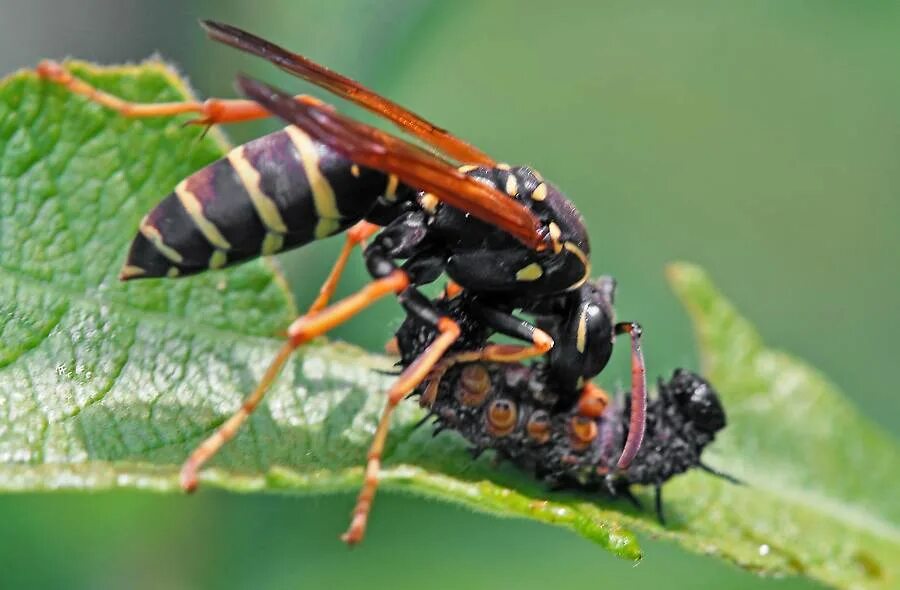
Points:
[[538, 426], [582, 431], [501, 417], [474, 385]]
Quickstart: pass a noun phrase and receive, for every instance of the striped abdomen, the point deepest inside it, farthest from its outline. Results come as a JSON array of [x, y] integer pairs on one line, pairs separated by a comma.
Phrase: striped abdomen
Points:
[[277, 192]]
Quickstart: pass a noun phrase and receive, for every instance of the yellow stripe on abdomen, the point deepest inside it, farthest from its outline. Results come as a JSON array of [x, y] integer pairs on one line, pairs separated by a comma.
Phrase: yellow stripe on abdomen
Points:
[[195, 210], [265, 206], [323, 194], [155, 237]]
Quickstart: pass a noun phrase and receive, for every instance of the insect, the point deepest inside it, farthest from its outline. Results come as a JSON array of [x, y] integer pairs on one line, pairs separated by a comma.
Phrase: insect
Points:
[[513, 410], [526, 415], [502, 233]]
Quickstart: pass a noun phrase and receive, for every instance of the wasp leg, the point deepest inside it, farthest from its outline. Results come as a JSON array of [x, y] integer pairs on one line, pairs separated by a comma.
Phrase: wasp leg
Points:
[[510, 325], [638, 421], [452, 290], [300, 331], [356, 235], [210, 111], [411, 377], [505, 323]]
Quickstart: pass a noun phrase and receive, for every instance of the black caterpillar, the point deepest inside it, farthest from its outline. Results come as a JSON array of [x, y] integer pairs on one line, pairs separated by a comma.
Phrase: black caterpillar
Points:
[[518, 411]]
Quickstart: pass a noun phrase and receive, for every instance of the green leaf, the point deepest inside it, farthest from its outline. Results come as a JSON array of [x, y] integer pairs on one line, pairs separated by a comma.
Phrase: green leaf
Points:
[[822, 481], [107, 385]]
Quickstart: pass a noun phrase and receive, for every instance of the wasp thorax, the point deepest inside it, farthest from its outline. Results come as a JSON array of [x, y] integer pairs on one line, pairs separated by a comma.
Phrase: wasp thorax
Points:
[[538, 426], [474, 385], [582, 431], [502, 415]]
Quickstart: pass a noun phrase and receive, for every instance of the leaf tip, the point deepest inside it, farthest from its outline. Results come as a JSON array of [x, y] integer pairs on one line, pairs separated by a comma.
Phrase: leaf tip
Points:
[[685, 276]]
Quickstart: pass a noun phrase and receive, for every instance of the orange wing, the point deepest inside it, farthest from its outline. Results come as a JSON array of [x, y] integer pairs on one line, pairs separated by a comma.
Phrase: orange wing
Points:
[[348, 89], [371, 147]]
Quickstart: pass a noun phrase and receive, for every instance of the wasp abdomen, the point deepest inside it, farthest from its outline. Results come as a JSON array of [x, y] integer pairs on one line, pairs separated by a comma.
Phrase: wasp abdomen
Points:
[[277, 192]]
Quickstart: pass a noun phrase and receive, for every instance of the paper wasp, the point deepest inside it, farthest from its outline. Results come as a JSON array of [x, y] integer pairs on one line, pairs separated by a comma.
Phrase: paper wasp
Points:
[[501, 233]]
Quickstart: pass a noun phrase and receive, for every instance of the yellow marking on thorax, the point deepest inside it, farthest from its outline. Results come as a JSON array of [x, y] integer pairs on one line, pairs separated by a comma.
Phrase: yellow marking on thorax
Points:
[[272, 243], [354, 170], [195, 210], [250, 177], [390, 191], [151, 233], [429, 202], [218, 259], [540, 193], [467, 168], [512, 185], [532, 272], [503, 166], [129, 271], [584, 261], [322, 192], [555, 233], [581, 333]]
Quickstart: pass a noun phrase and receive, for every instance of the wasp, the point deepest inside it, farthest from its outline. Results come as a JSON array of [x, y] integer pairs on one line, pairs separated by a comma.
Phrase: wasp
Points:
[[500, 232]]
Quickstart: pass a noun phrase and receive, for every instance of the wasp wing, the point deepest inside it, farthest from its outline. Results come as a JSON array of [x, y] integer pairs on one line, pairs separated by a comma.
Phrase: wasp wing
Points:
[[374, 148], [348, 89]]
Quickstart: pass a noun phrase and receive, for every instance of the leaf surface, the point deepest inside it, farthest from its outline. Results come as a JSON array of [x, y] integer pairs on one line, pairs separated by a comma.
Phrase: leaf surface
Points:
[[109, 385]]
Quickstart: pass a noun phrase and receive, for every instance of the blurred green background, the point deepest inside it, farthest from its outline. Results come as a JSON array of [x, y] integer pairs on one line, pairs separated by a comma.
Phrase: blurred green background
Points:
[[759, 139]]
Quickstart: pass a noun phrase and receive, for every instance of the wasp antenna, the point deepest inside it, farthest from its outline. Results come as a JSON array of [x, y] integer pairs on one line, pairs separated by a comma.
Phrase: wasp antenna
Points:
[[720, 474], [637, 424]]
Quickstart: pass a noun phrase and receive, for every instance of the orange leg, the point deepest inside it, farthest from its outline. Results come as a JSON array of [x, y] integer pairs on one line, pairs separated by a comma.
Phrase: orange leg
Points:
[[499, 353], [356, 235], [408, 380], [209, 112], [302, 330], [451, 290]]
